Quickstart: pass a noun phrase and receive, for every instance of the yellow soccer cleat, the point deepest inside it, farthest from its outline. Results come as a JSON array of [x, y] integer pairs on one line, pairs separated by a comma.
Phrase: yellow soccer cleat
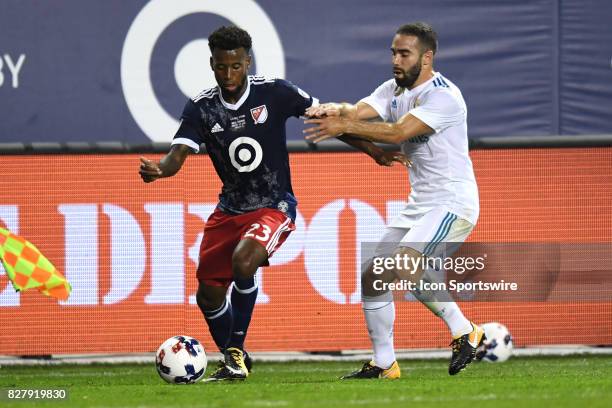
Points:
[[233, 368], [369, 370], [464, 349]]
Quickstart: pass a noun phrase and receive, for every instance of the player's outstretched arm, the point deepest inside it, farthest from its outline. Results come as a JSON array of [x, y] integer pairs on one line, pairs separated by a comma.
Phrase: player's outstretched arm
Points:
[[335, 119], [359, 111], [168, 166], [380, 156], [343, 109], [394, 133]]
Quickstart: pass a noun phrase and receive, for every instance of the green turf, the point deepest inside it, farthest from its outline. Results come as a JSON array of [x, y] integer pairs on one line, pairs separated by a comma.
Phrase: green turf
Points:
[[538, 382]]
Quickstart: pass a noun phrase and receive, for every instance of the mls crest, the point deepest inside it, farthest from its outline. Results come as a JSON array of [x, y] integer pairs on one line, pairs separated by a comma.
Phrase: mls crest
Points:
[[259, 114]]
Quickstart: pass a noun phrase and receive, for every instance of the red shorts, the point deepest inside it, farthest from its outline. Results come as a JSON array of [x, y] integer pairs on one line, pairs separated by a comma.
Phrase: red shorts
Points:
[[223, 232]]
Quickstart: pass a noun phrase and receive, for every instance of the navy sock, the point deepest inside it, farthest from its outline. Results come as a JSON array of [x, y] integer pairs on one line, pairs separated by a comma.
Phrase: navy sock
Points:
[[220, 324], [244, 295]]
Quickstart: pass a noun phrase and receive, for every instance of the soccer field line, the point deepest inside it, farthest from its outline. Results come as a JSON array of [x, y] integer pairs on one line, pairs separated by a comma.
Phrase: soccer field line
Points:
[[406, 366], [264, 403], [348, 355], [77, 374], [421, 398], [413, 399], [458, 397], [463, 397], [288, 368]]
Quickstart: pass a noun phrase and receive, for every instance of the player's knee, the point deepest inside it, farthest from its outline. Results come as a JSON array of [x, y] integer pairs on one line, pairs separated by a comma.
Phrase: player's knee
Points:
[[247, 257], [244, 265], [375, 282], [371, 283], [366, 288], [208, 301]]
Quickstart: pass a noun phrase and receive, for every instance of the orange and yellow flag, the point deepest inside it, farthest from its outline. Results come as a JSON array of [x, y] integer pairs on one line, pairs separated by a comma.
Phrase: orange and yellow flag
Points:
[[27, 268]]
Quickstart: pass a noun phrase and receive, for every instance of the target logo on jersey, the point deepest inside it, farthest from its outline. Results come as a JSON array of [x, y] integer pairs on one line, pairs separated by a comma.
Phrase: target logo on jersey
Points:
[[259, 114], [245, 154]]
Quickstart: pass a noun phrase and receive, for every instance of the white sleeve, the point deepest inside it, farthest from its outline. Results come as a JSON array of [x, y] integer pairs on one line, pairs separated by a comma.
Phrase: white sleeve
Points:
[[440, 109], [381, 98]]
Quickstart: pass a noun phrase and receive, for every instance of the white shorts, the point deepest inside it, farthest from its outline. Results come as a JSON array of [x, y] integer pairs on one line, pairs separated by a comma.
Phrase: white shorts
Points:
[[427, 234]]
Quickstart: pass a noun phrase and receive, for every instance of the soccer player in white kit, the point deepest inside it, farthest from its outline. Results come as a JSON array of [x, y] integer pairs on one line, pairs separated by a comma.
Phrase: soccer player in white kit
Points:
[[425, 114]]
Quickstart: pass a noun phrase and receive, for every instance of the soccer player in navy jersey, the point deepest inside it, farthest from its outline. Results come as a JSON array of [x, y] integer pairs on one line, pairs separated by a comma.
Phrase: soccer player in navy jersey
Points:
[[242, 124]]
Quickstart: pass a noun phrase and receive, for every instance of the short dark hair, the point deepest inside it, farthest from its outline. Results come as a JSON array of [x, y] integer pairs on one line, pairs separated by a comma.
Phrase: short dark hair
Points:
[[229, 38], [428, 39]]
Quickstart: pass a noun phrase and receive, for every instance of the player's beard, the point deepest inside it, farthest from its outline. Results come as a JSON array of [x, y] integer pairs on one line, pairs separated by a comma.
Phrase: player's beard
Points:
[[410, 76], [239, 89]]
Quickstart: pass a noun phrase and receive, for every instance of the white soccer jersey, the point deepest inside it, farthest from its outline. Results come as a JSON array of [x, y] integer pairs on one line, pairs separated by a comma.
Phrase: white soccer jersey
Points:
[[441, 172]]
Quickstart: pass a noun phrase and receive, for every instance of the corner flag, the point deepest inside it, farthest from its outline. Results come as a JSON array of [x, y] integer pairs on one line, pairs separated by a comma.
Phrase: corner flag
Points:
[[27, 268]]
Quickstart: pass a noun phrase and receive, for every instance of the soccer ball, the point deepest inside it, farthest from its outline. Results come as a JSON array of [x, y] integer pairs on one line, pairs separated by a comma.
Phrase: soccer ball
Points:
[[498, 346], [181, 360]]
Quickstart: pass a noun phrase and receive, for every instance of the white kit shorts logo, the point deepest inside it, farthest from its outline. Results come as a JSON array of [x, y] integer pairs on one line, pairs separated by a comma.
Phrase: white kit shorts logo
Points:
[[259, 114], [146, 29]]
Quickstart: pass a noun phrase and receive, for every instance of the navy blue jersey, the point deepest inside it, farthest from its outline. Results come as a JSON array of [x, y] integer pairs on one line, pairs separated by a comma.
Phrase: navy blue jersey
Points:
[[247, 142]]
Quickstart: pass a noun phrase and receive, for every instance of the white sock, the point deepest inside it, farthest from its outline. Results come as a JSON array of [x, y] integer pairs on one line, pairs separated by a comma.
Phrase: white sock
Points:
[[380, 316], [452, 316], [442, 305]]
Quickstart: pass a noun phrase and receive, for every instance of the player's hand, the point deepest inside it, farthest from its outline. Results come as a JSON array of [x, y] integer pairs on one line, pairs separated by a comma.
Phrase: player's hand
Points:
[[149, 170], [388, 159], [324, 110], [324, 128]]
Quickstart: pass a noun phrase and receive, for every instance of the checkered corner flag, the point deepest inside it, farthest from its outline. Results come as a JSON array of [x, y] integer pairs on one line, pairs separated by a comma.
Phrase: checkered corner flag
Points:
[[27, 268]]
